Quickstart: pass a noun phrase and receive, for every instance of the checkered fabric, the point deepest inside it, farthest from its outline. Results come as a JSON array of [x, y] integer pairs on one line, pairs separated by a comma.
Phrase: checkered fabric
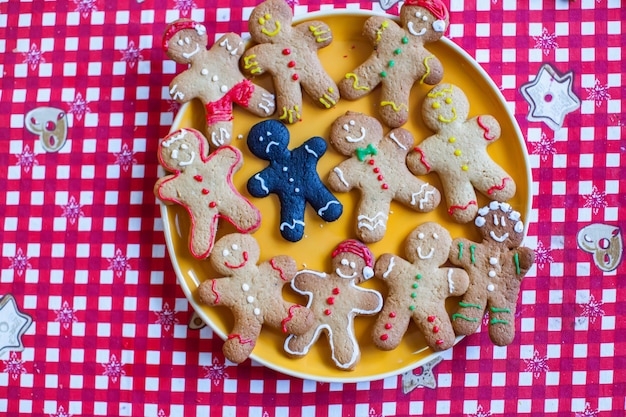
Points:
[[83, 253]]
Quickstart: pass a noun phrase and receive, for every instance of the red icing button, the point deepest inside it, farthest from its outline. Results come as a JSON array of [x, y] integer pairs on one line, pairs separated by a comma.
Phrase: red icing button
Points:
[[431, 318], [330, 300], [384, 337], [371, 162], [439, 342], [377, 170], [295, 77], [291, 64], [212, 204], [327, 312], [436, 329], [205, 191], [335, 291], [286, 51], [392, 315], [197, 178], [388, 326], [385, 186], [380, 178]]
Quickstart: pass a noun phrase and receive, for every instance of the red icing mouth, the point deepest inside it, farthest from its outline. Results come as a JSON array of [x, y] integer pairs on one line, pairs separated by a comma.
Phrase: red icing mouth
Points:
[[245, 260]]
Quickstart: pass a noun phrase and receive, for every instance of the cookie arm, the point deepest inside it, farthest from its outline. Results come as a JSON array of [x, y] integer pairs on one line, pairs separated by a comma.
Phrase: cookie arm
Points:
[[387, 267], [230, 44], [165, 189], [457, 279], [523, 259], [342, 177], [179, 89], [368, 301], [317, 34], [462, 253], [305, 281], [489, 127], [255, 61], [283, 268]]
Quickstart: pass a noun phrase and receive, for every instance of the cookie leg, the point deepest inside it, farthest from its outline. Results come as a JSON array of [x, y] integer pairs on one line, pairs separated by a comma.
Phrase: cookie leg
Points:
[[391, 326], [436, 327], [361, 81], [394, 103], [325, 204], [262, 103], [372, 219], [220, 133], [240, 212], [241, 341], [495, 183], [289, 102], [300, 345], [418, 195], [292, 218], [322, 90], [501, 324], [461, 200], [344, 347], [468, 317], [202, 235]]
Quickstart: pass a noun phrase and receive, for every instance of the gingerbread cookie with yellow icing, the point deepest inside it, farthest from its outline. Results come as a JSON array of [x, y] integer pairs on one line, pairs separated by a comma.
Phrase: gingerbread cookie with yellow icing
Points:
[[400, 58], [289, 55], [496, 267], [377, 167], [213, 77], [458, 153], [253, 293], [418, 288]]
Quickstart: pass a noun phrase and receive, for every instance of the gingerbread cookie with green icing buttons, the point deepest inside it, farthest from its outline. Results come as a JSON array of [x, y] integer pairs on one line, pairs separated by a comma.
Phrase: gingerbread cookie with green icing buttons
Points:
[[400, 58], [252, 292], [496, 267], [213, 77], [289, 55], [457, 152], [418, 287], [377, 167]]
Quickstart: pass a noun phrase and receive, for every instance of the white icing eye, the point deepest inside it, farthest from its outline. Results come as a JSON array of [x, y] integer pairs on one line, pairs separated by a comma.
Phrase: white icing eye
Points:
[[235, 246], [588, 239], [503, 221], [420, 236], [175, 154], [187, 41], [290, 179], [225, 252], [204, 71], [346, 128], [345, 262], [268, 133], [519, 227], [261, 139], [245, 287], [435, 236], [418, 14], [424, 18], [184, 146], [495, 220], [352, 123], [180, 42], [352, 265]]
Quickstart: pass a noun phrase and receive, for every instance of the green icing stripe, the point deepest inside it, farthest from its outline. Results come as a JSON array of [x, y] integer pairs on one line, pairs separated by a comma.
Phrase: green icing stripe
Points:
[[460, 250], [499, 310], [462, 304], [498, 321], [461, 316], [516, 259], [472, 250]]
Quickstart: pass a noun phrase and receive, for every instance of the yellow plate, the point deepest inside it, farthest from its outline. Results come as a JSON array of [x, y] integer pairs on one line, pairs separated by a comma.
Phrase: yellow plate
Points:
[[347, 51]]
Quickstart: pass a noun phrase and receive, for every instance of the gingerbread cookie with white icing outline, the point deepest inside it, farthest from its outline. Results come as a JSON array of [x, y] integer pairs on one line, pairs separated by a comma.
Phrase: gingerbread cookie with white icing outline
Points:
[[289, 54], [496, 267], [213, 77], [377, 166], [399, 59], [203, 185], [252, 292], [457, 152], [418, 288]]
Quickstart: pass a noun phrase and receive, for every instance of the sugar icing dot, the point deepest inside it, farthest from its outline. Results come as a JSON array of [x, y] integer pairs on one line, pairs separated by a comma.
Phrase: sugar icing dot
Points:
[[250, 299], [245, 287], [492, 274], [490, 287]]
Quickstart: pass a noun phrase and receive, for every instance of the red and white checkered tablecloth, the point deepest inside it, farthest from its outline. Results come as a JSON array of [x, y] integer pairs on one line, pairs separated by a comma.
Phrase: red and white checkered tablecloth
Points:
[[85, 273]]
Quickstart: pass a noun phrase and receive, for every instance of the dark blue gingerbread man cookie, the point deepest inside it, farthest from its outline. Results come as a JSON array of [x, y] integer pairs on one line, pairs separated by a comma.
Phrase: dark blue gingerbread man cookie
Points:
[[292, 176]]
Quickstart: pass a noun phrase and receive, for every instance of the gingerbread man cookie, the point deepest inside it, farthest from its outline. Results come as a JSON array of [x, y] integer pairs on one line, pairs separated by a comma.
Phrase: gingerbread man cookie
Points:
[[378, 168], [253, 293], [496, 268], [292, 176], [458, 153], [418, 288], [203, 185], [335, 300], [213, 77], [399, 58], [289, 54]]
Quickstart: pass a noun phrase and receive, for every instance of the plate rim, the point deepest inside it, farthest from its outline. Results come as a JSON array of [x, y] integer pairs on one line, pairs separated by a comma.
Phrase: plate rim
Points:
[[347, 379]]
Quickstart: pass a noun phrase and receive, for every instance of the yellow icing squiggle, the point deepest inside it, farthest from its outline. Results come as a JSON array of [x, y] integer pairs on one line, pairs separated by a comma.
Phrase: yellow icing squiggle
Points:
[[289, 114], [427, 73], [440, 93], [328, 101], [315, 30], [273, 33], [394, 106], [355, 84], [450, 120], [249, 63], [380, 31]]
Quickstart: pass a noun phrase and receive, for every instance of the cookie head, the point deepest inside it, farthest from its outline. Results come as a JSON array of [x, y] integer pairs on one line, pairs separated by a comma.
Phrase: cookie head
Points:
[[443, 105], [426, 19], [234, 252], [353, 260], [499, 223], [270, 21], [184, 39], [428, 242], [353, 131], [180, 149], [268, 140]]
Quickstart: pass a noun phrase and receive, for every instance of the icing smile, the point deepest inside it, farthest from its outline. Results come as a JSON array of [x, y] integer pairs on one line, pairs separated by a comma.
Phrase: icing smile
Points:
[[497, 238], [338, 272], [357, 139], [272, 33], [427, 256], [185, 163], [414, 32], [190, 54], [245, 260]]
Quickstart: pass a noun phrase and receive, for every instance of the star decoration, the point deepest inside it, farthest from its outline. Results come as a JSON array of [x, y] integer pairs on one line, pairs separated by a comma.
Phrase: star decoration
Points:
[[550, 97], [13, 325], [423, 376]]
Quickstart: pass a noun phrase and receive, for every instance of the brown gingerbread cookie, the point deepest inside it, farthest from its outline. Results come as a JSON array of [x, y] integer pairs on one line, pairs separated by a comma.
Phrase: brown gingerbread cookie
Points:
[[252, 292], [418, 288], [400, 58], [213, 77], [457, 152], [203, 185], [335, 299], [289, 55], [496, 267], [378, 168]]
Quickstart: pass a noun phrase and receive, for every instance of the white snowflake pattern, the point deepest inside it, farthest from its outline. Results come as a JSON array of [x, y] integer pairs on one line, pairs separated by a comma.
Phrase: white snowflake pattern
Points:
[[61, 413], [166, 317], [19, 262], [292, 3], [480, 412], [66, 315], [215, 372], [113, 369], [543, 255], [537, 364], [588, 412], [592, 309], [598, 93], [373, 413], [72, 210], [14, 366], [119, 263], [79, 107], [546, 41], [545, 147], [125, 158], [185, 6], [85, 7], [131, 55], [616, 120], [33, 57], [596, 200], [26, 159]]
